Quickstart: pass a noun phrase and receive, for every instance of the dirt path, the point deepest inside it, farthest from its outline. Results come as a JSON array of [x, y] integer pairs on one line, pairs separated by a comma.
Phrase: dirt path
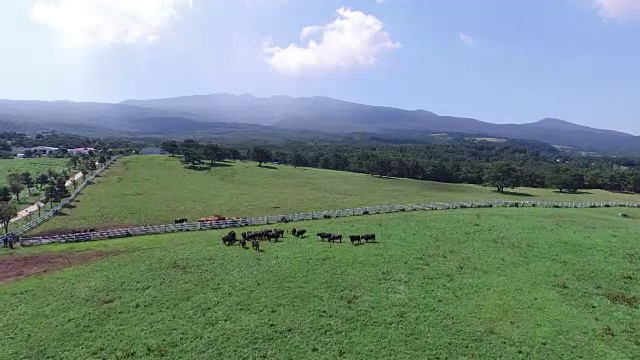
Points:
[[15, 267], [34, 208]]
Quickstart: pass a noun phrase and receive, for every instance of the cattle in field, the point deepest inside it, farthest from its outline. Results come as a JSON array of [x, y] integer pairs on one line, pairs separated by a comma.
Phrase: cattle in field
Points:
[[369, 237], [279, 232], [294, 231], [355, 238], [230, 238], [335, 237], [243, 243], [181, 221], [300, 233], [273, 236], [255, 244], [323, 236]]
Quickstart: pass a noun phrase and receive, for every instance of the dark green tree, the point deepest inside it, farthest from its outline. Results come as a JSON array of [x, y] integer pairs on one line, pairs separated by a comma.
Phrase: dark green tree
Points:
[[42, 180], [192, 153], [261, 155], [5, 194], [171, 147], [213, 153], [15, 184], [565, 178], [502, 175], [27, 180], [297, 160], [7, 212]]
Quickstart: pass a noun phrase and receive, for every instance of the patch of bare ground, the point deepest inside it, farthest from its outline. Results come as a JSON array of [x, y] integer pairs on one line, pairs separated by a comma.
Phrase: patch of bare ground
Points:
[[16, 267], [622, 299]]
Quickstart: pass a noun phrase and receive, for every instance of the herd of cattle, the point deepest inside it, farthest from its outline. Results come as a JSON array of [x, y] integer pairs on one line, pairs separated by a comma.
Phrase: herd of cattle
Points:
[[275, 234]]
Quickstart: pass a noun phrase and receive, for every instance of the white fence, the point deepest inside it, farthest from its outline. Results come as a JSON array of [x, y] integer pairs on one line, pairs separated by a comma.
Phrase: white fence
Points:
[[49, 214], [265, 220]]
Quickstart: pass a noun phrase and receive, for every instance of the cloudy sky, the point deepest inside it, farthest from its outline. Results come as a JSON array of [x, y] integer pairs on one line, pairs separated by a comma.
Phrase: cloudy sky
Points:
[[495, 60]]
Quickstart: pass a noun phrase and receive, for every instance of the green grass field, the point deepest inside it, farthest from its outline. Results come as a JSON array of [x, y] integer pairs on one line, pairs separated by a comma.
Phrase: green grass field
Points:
[[34, 166], [158, 189], [464, 284]]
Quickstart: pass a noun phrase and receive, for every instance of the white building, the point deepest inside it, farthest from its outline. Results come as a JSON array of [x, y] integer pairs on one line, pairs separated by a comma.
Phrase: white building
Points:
[[81, 151]]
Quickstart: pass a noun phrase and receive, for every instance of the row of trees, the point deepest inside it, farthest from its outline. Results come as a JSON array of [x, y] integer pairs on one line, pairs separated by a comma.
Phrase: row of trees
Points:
[[52, 184], [503, 165], [499, 165], [196, 154]]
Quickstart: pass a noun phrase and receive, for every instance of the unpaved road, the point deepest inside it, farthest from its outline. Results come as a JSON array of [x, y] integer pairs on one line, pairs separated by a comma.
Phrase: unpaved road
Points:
[[33, 208]]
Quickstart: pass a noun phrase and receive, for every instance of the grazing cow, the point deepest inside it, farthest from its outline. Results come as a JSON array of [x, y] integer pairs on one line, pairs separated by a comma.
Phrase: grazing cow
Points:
[[294, 232], [230, 238], [181, 221], [300, 233], [255, 244], [279, 232], [273, 236], [243, 243], [323, 235], [335, 237], [355, 238], [369, 237]]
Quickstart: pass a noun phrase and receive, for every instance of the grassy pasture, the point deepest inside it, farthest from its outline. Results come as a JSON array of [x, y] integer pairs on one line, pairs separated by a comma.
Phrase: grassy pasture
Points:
[[484, 284], [34, 166], [158, 189]]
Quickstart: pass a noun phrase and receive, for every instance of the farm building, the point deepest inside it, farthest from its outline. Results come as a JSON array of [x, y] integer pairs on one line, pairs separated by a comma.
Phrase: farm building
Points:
[[81, 151], [39, 150]]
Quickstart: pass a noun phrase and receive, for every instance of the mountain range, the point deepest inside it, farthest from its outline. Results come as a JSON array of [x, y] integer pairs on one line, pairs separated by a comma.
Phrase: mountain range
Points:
[[217, 116]]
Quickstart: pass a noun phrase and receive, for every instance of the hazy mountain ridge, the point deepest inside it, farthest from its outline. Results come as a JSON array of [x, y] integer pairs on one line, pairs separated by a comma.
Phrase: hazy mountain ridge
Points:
[[208, 114]]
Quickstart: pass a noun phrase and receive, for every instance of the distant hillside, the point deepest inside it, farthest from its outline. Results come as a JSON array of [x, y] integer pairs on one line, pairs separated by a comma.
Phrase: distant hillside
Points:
[[218, 115]]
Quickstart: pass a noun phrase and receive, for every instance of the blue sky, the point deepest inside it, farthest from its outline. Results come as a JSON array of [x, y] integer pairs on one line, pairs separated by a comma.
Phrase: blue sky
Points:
[[494, 60]]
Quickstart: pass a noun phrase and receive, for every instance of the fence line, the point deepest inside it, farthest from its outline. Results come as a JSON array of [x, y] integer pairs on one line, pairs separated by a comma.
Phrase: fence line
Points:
[[265, 220], [49, 214]]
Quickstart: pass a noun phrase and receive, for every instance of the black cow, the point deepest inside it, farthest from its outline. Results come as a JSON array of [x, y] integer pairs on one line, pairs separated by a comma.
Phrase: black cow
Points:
[[355, 238], [243, 243], [273, 236], [230, 238], [279, 232], [335, 237], [294, 231], [323, 235], [181, 221], [369, 237], [255, 244], [301, 233]]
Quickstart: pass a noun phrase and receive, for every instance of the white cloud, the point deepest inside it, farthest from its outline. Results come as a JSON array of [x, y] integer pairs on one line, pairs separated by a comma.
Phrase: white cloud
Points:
[[466, 38], [353, 39], [619, 9], [86, 23]]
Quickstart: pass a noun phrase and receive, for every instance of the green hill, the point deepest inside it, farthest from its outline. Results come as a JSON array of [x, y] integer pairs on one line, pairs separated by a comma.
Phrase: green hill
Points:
[[145, 190], [484, 284]]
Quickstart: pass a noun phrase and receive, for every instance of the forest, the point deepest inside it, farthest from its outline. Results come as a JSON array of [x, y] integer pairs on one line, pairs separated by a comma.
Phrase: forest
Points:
[[503, 165]]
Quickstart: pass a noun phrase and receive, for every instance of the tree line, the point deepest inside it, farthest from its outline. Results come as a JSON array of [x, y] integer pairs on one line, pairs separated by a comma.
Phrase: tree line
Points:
[[502, 165], [51, 184]]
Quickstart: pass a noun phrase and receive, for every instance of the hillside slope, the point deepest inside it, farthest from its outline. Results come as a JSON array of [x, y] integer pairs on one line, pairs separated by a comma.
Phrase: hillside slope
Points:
[[219, 115], [158, 189]]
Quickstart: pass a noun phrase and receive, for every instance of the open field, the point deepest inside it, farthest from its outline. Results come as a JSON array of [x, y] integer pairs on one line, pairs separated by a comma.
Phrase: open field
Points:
[[158, 189], [485, 284], [34, 166]]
